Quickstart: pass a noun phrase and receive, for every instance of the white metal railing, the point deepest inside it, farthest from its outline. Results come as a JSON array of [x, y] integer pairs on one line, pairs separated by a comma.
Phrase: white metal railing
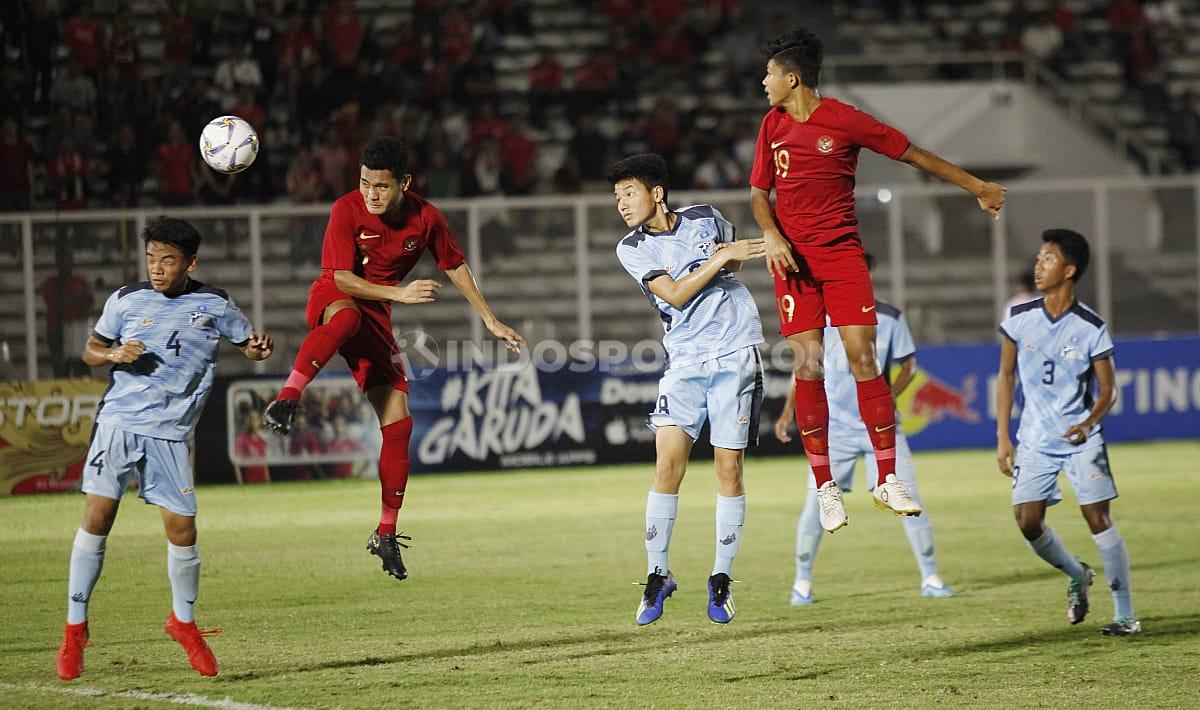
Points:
[[578, 269]]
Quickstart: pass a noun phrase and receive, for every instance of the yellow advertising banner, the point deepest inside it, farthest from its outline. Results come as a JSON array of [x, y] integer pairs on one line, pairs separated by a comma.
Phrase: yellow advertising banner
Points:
[[45, 428]]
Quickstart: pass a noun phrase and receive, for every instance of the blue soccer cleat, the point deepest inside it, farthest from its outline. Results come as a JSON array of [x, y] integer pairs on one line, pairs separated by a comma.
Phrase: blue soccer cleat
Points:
[[934, 588], [658, 588], [802, 593], [720, 599]]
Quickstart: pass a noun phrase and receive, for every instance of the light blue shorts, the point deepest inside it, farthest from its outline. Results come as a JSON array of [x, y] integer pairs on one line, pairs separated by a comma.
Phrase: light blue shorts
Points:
[[163, 469], [1035, 476], [843, 456], [726, 391]]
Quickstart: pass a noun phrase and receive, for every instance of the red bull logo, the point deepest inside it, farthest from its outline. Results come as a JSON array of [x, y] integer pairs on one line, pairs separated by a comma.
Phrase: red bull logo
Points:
[[929, 400]]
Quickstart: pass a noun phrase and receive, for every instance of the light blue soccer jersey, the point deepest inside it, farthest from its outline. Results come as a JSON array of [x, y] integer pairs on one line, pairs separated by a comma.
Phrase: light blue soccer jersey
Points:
[[1054, 367], [893, 345], [722, 317], [162, 393]]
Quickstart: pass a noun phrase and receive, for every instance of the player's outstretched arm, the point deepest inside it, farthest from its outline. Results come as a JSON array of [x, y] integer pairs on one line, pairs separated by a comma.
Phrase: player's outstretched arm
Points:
[[97, 352], [1106, 378], [778, 251], [1006, 384], [464, 281], [680, 292], [258, 347], [989, 194], [418, 291]]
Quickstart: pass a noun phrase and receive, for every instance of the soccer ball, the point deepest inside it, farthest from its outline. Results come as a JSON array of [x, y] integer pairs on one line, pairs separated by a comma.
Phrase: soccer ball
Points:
[[228, 144]]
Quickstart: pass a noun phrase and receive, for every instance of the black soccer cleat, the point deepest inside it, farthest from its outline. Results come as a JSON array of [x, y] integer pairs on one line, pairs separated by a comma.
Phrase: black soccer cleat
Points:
[[387, 548], [278, 416]]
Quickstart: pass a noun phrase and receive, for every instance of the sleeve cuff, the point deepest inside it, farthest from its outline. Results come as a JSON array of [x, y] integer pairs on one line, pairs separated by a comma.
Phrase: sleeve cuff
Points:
[[1005, 334], [1105, 354], [905, 358], [103, 338], [651, 275]]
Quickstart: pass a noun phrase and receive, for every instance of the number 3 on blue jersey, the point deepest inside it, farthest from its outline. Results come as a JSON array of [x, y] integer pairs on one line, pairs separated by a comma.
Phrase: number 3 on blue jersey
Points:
[[173, 342]]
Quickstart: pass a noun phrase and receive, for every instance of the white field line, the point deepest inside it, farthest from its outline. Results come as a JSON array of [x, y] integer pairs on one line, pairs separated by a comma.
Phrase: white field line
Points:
[[185, 699]]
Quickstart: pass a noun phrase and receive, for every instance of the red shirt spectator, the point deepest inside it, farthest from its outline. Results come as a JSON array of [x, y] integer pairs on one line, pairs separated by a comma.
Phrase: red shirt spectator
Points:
[[177, 36], [176, 159], [343, 32], [83, 39], [1063, 16], [1124, 15], [296, 44], [457, 34], [546, 74], [16, 159], [518, 153], [249, 109], [121, 48], [673, 48], [68, 172], [598, 73], [664, 13], [68, 298]]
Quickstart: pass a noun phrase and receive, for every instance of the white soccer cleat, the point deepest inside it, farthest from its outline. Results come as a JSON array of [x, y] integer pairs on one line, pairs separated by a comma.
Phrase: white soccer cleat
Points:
[[833, 510], [893, 495]]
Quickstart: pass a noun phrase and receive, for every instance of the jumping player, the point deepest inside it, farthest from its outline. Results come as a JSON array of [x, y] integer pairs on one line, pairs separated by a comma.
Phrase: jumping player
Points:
[[375, 236], [683, 261], [1059, 348], [848, 440], [161, 338], [807, 151]]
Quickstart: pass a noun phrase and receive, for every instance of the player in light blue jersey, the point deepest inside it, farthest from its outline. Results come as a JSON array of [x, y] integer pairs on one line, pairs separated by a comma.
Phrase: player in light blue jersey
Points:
[[684, 261], [848, 440], [161, 338], [1059, 349]]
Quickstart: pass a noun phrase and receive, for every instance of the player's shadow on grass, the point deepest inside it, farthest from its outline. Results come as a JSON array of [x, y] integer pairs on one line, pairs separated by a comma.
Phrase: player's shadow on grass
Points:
[[612, 642], [1037, 572], [1156, 627]]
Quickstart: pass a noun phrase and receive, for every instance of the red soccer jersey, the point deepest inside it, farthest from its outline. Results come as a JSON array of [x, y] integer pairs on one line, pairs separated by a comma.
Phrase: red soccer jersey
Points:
[[384, 252], [811, 166]]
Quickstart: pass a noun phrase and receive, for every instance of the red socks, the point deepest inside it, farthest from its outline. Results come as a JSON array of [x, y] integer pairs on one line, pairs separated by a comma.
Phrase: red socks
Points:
[[318, 348], [812, 420], [878, 411], [393, 472]]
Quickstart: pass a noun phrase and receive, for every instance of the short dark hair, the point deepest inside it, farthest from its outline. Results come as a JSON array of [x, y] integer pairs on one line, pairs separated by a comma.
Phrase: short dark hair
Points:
[[650, 169], [179, 234], [799, 52], [1073, 246], [386, 153]]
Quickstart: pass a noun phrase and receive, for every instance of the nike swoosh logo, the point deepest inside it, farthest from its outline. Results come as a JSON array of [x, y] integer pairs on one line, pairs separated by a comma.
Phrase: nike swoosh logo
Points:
[[868, 309], [777, 144], [814, 431], [368, 236], [881, 429]]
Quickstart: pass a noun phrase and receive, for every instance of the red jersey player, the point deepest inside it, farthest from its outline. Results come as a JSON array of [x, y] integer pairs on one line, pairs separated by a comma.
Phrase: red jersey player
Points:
[[375, 237], [807, 151]]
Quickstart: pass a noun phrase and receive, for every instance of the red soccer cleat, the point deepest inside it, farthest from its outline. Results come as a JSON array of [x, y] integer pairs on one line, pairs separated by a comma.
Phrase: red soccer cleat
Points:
[[69, 662], [192, 639]]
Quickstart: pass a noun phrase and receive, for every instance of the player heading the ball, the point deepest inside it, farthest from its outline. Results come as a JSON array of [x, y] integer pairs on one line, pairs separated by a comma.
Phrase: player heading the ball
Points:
[[807, 151], [683, 261], [161, 337]]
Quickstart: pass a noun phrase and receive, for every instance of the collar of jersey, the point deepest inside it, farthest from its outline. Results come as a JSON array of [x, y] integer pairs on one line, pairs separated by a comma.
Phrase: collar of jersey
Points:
[[672, 232], [1070, 309]]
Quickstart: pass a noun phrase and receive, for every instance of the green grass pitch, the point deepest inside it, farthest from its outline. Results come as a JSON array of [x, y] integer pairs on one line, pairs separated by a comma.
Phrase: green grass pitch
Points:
[[521, 594]]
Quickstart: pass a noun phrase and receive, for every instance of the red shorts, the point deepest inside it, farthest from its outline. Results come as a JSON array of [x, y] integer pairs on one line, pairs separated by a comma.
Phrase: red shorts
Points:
[[371, 354], [833, 279]]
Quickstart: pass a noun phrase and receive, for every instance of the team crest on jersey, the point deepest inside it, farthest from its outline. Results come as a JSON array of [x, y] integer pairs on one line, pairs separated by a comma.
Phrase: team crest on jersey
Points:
[[200, 319], [825, 144], [706, 248], [411, 244]]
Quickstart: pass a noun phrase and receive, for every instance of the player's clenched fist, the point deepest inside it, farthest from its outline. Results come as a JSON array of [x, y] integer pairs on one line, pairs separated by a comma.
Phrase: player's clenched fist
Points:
[[1004, 456], [419, 291], [126, 353], [991, 199]]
